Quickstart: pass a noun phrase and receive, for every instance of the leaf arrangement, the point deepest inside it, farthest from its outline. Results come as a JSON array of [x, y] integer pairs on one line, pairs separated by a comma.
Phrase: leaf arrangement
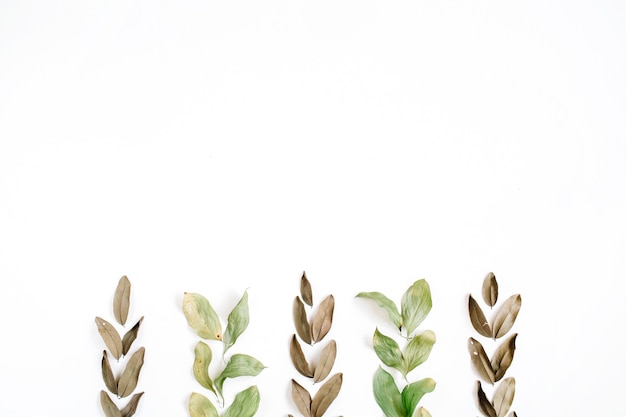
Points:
[[493, 370], [125, 382], [205, 322], [415, 305], [311, 332]]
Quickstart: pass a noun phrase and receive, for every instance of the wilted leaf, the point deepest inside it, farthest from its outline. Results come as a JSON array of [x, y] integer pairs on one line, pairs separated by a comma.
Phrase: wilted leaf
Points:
[[417, 350], [323, 320], [130, 375], [506, 316], [490, 289], [305, 290], [201, 317], [108, 406], [203, 356], [326, 395], [387, 395], [110, 336], [327, 360], [200, 406], [413, 393], [130, 337], [237, 322], [388, 351], [121, 300], [385, 303], [300, 319], [238, 365], [298, 359], [107, 374], [478, 319], [503, 357], [301, 398], [483, 403], [131, 407], [415, 305], [503, 397], [245, 404], [480, 360]]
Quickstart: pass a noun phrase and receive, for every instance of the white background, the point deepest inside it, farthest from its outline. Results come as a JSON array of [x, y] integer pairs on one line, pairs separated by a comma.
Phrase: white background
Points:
[[214, 147]]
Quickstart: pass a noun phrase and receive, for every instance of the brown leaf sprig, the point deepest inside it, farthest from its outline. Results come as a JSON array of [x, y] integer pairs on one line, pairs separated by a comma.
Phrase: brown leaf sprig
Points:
[[126, 381], [493, 370]]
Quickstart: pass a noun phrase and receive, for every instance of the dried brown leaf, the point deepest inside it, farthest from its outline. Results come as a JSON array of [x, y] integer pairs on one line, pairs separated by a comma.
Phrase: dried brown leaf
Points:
[[130, 337], [326, 395], [298, 359], [506, 316], [503, 397], [480, 360], [108, 406], [327, 360], [107, 374], [305, 290], [483, 403], [121, 300], [301, 397], [110, 336], [301, 321], [131, 407], [503, 357], [478, 319], [130, 375], [490, 289], [323, 320]]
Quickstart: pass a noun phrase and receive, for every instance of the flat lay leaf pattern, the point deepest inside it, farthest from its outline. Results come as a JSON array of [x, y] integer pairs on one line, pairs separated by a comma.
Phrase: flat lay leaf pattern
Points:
[[108, 406], [202, 360], [130, 336], [415, 305], [201, 316], [323, 319], [386, 304], [301, 397], [306, 291], [110, 336], [503, 397], [413, 393], [326, 395], [327, 360], [506, 316], [238, 320], [245, 404], [107, 374], [201, 406], [478, 319], [131, 407], [130, 375], [301, 321], [481, 361], [490, 290], [121, 300], [298, 358]]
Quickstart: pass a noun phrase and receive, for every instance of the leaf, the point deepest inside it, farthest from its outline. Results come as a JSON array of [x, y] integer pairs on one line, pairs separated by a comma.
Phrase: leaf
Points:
[[301, 398], [480, 360], [483, 403], [202, 359], [415, 305], [305, 290], [490, 289], [506, 316], [302, 324], [326, 395], [130, 337], [108, 406], [237, 322], [387, 395], [413, 393], [121, 300], [130, 375], [323, 320], [418, 350], [110, 336], [201, 317], [503, 397], [512, 414], [200, 406], [107, 374], [327, 360], [385, 303], [298, 359], [238, 365], [503, 357], [245, 404], [478, 319], [422, 412], [131, 407], [388, 351]]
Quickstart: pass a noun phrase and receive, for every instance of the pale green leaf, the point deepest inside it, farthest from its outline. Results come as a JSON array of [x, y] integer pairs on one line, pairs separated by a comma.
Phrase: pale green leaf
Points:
[[238, 365], [387, 395], [388, 351], [203, 356], [200, 406], [422, 412], [201, 317], [413, 393], [245, 404], [418, 349], [237, 322], [415, 305], [386, 304]]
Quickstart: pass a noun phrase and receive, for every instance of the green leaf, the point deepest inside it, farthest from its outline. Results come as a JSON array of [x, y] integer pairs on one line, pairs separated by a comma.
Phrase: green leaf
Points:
[[387, 395], [238, 365], [388, 351], [237, 322], [200, 406], [245, 404], [418, 350], [415, 305], [202, 360], [413, 393], [385, 303], [201, 317]]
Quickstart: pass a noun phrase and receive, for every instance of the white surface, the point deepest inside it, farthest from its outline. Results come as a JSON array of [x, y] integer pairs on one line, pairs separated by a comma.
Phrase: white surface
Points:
[[217, 146]]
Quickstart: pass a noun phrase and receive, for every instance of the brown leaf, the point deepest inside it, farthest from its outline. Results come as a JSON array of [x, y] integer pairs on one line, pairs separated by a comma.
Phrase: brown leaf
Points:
[[477, 317], [483, 403], [110, 336], [130, 337], [326, 395], [107, 374], [130, 375], [298, 359], [480, 360], [506, 316], [503, 397], [327, 360], [305, 290], [490, 289], [300, 319], [503, 357], [108, 406], [301, 397], [121, 300], [131, 407], [323, 319], [512, 414]]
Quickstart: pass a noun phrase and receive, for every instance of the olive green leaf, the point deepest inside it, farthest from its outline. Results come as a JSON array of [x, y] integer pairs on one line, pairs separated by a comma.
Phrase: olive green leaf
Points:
[[298, 359], [107, 374], [108, 406], [480, 360], [203, 356], [415, 305], [483, 403], [238, 365], [387, 395], [301, 397], [503, 357], [245, 404], [300, 319], [478, 319], [413, 393], [326, 395], [327, 360], [130, 336], [130, 375], [121, 300], [131, 407], [201, 317], [386, 304], [388, 351], [200, 406], [506, 316], [323, 320], [305, 290], [503, 397], [417, 351], [110, 336], [237, 322], [490, 289]]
